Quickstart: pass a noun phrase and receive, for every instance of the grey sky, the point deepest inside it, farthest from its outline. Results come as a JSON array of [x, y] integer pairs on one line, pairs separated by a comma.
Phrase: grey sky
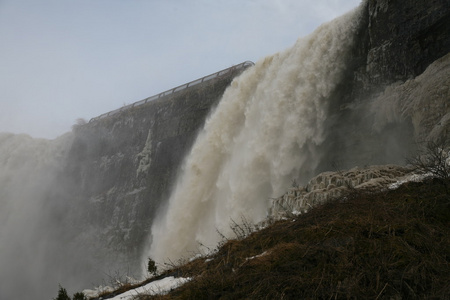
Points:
[[66, 59]]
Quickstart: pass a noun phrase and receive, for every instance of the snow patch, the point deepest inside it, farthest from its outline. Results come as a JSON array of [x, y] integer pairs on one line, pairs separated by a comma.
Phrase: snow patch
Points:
[[195, 257], [256, 256], [159, 287], [97, 291], [409, 178]]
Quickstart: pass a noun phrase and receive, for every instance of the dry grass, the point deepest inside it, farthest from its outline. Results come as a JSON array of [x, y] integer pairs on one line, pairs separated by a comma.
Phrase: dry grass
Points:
[[389, 245]]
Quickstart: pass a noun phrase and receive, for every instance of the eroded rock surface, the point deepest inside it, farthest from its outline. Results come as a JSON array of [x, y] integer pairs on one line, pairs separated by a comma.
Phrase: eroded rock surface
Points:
[[331, 185]]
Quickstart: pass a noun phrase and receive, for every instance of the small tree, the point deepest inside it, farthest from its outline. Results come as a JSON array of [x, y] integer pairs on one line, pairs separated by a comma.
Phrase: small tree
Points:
[[434, 159], [62, 294], [151, 266]]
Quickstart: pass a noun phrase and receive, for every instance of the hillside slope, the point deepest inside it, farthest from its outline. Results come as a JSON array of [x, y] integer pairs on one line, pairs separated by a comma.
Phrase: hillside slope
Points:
[[385, 245]]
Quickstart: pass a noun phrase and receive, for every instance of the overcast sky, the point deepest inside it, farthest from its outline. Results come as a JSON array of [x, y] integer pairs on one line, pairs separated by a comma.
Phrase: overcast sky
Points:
[[61, 60]]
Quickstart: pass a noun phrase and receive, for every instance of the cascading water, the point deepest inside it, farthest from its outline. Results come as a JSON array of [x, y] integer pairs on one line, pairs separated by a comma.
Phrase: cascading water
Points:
[[263, 132]]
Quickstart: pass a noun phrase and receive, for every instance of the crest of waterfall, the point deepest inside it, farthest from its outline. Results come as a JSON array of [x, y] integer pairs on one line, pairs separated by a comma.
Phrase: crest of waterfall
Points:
[[264, 131]]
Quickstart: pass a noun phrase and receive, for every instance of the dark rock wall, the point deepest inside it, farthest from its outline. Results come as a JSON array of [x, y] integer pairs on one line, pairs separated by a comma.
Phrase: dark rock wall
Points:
[[397, 41], [405, 37], [121, 168]]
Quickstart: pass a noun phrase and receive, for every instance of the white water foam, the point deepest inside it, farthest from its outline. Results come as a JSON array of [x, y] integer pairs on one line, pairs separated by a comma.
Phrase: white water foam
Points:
[[263, 132]]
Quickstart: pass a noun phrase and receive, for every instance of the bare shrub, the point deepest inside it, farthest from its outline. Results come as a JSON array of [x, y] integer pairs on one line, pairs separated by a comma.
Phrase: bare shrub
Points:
[[242, 229], [433, 158]]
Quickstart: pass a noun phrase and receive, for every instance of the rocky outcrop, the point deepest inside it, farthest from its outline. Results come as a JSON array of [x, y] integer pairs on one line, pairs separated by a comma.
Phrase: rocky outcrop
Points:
[[335, 184]]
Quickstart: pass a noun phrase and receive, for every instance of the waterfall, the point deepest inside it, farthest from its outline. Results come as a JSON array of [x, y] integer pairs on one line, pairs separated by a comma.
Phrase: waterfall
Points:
[[265, 129]]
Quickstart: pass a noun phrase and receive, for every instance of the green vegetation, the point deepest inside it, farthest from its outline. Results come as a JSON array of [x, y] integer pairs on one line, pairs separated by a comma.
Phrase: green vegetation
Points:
[[62, 295], [151, 267], [367, 245], [79, 296]]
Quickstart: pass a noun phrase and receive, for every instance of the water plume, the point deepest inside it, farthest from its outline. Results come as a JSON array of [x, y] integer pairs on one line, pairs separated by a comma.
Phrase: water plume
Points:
[[265, 131]]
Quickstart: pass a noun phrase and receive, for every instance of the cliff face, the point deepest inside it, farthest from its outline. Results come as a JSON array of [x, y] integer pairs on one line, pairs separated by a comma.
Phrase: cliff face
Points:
[[404, 38], [120, 168], [394, 96], [407, 59]]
